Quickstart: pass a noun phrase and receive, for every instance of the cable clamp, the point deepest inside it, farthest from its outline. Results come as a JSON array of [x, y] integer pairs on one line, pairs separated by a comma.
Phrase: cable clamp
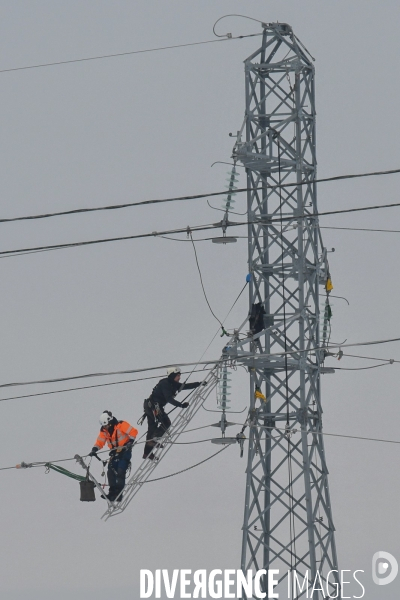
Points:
[[24, 465]]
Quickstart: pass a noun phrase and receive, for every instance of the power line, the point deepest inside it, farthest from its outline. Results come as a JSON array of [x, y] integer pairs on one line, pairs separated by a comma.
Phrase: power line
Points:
[[361, 368], [208, 239], [223, 322], [346, 210], [189, 468], [87, 387], [118, 54], [131, 380], [19, 251], [43, 464], [202, 284], [164, 237], [322, 433], [208, 362], [372, 343], [192, 197], [356, 229], [139, 379], [357, 437], [389, 360], [207, 227], [6, 385]]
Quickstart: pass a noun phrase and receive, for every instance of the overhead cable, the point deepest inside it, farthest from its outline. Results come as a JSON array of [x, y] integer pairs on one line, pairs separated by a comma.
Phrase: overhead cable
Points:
[[385, 364], [88, 387], [207, 227], [233, 15], [372, 343], [137, 379], [192, 197], [350, 210], [202, 284], [118, 54], [322, 433], [358, 437], [244, 237], [143, 378], [19, 251], [266, 222], [351, 229], [6, 385], [43, 464], [223, 323], [389, 360], [189, 468], [207, 362]]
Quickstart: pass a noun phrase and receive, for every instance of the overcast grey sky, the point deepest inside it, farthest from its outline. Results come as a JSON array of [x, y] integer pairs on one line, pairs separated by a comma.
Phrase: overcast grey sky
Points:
[[150, 126]]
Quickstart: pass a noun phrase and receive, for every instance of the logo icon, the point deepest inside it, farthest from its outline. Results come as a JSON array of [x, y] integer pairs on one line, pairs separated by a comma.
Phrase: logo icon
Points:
[[384, 568]]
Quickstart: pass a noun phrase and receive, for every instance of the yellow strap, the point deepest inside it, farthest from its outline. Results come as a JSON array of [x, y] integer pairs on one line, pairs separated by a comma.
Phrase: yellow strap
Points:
[[259, 395]]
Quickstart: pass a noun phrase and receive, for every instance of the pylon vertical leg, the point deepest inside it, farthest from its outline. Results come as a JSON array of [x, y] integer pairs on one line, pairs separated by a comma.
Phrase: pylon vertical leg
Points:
[[287, 518]]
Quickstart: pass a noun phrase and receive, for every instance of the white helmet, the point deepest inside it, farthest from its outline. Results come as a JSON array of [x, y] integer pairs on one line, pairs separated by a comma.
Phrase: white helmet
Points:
[[175, 370], [105, 419]]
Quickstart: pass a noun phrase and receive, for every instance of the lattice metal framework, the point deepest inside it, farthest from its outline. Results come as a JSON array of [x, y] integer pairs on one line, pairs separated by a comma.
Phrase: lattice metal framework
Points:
[[287, 520]]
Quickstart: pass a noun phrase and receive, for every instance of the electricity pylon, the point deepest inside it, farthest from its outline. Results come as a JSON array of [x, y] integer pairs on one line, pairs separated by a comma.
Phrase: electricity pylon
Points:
[[287, 519]]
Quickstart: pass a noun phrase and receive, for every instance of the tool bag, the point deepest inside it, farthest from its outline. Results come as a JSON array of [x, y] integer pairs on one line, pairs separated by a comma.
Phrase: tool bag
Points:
[[87, 491]]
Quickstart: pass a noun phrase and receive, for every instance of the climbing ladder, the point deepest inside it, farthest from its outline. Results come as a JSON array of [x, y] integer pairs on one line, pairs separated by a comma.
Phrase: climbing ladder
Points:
[[147, 467]]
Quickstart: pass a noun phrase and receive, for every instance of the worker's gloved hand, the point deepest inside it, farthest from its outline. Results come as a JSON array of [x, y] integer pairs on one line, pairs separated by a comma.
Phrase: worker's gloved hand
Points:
[[184, 404], [94, 451], [113, 453]]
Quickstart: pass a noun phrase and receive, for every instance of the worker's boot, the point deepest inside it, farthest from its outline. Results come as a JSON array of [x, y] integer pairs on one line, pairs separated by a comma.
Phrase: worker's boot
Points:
[[151, 456]]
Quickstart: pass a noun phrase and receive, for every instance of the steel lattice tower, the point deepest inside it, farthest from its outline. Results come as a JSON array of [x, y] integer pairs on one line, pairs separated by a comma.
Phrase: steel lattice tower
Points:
[[287, 519]]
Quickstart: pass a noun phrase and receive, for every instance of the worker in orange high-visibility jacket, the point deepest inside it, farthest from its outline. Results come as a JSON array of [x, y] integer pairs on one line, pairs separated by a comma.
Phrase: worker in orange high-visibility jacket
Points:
[[120, 437]]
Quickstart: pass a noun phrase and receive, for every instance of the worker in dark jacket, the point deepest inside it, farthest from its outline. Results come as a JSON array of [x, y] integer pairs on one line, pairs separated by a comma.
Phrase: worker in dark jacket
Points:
[[157, 420]]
